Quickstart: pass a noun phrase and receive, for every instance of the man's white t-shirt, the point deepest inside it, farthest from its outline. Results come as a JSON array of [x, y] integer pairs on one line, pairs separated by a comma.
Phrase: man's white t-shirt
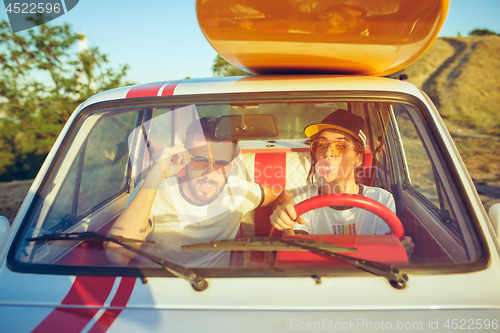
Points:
[[352, 221], [176, 222]]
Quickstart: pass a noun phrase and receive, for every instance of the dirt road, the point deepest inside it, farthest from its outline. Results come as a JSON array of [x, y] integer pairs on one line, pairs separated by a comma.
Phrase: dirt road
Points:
[[11, 197]]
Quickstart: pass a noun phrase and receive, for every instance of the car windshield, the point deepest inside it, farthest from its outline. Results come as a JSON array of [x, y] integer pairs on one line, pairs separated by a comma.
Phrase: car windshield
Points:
[[219, 190]]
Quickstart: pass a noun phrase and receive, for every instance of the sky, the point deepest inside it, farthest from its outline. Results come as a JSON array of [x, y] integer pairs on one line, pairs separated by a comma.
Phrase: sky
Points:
[[160, 39]]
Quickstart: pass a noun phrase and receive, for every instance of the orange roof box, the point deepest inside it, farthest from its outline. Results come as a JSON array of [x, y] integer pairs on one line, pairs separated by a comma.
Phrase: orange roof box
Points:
[[367, 37]]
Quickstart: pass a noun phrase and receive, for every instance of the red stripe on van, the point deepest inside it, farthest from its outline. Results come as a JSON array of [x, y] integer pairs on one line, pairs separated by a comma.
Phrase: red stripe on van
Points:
[[120, 300], [146, 90], [89, 291], [105, 321], [85, 291], [66, 320], [169, 89]]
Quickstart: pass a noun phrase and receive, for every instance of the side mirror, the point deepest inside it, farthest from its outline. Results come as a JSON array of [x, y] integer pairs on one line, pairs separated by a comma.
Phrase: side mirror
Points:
[[494, 214], [4, 229]]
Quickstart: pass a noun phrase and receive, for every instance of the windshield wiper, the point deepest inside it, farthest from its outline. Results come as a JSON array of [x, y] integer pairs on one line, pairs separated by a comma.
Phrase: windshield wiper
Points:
[[197, 281], [392, 274], [84, 236], [264, 244]]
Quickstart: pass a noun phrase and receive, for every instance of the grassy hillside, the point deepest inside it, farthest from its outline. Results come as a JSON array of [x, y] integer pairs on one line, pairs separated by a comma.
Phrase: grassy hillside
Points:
[[461, 76]]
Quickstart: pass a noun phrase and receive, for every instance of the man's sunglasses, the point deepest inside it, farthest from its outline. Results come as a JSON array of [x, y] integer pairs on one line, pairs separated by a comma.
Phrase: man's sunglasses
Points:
[[200, 163], [338, 148]]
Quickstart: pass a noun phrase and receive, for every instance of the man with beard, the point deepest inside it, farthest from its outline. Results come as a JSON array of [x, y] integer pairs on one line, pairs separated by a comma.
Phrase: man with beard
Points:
[[205, 204]]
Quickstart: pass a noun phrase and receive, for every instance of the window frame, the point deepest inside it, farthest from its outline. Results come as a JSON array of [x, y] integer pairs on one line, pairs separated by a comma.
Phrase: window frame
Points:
[[267, 97], [460, 230]]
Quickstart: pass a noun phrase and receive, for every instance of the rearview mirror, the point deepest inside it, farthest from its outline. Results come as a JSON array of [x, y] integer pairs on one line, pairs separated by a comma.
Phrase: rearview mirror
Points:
[[254, 126]]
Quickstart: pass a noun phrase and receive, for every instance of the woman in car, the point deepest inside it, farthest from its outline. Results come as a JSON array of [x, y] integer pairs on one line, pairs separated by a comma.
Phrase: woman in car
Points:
[[337, 150]]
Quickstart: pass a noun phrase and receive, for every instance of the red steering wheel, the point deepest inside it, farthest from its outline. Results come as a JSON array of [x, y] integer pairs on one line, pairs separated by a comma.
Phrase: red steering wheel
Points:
[[355, 201]]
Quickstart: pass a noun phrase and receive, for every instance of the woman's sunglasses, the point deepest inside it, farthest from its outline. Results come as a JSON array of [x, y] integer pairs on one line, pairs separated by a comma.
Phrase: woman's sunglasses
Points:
[[338, 148], [200, 163]]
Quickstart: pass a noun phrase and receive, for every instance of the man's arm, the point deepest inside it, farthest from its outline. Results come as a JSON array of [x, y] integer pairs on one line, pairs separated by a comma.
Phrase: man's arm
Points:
[[275, 196], [134, 220], [132, 223]]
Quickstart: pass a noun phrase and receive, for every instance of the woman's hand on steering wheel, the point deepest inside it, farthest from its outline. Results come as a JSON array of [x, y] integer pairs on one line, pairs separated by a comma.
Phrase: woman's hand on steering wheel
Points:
[[353, 200], [284, 217]]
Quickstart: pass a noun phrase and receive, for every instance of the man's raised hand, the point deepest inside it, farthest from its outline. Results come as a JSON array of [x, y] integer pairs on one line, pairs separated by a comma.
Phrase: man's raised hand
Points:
[[171, 161]]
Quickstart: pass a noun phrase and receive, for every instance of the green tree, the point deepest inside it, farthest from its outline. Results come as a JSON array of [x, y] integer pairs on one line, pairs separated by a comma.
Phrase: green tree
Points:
[[224, 68], [481, 32], [43, 78]]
